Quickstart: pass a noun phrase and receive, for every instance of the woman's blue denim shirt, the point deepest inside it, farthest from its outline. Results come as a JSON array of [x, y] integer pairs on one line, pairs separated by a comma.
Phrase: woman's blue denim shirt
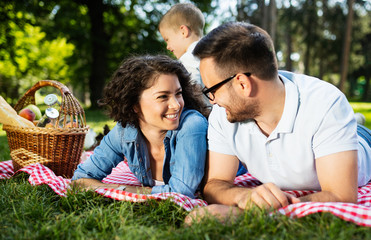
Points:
[[184, 161]]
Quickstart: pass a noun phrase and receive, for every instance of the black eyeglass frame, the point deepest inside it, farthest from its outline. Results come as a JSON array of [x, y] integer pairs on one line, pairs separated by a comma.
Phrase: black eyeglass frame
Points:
[[213, 89]]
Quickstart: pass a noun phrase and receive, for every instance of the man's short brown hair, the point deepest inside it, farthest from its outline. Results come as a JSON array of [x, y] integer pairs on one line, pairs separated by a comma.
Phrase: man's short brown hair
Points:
[[184, 14], [239, 47]]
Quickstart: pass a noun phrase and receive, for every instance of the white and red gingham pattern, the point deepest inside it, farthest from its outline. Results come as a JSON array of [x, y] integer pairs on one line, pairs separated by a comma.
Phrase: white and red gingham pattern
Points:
[[39, 174], [357, 213]]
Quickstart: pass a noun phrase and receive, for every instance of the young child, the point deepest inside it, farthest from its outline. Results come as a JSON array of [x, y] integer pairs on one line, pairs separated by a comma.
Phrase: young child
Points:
[[181, 28]]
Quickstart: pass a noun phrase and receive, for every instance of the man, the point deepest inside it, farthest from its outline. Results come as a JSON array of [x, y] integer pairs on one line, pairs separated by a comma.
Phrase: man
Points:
[[293, 132]]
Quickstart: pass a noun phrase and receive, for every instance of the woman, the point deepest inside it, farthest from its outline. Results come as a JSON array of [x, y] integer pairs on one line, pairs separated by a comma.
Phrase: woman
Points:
[[159, 130]]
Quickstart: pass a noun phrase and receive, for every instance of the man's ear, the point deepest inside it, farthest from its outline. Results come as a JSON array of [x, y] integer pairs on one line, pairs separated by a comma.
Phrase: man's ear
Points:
[[186, 32], [245, 84]]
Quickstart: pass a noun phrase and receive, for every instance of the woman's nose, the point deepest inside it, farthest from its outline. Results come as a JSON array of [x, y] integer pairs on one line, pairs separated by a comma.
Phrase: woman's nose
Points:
[[174, 103]]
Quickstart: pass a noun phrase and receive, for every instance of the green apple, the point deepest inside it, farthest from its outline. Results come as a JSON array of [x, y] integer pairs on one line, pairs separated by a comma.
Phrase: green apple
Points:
[[36, 110]]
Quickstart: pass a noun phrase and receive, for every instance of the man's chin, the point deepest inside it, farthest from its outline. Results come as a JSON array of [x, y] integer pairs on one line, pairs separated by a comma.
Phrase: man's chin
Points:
[[233, 119]]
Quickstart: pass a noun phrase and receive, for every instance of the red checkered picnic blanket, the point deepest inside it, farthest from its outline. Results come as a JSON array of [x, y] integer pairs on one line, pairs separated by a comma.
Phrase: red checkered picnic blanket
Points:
[[357, 213]]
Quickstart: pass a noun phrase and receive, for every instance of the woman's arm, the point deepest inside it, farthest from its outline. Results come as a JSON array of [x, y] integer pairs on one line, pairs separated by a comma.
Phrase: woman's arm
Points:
[[105, 157], [188, 159], [94, 184]]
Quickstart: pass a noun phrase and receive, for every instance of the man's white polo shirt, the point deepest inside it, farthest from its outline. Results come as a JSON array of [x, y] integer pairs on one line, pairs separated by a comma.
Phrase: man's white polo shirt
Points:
[[317, 121]]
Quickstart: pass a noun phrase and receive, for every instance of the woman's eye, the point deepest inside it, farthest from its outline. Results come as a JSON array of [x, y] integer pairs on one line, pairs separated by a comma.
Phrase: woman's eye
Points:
[[179, 93], [162, 97]]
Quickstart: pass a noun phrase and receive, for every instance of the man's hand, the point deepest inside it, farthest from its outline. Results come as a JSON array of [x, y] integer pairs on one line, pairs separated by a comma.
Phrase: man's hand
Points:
[[223, 213], [265, 196], [219, 187]]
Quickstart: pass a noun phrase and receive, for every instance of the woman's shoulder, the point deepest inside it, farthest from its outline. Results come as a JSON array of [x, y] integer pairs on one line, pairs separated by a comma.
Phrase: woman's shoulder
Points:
[[191, 114], [192, 119]]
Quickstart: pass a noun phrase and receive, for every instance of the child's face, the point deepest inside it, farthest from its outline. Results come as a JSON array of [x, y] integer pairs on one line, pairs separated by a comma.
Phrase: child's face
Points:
[[175, 40]]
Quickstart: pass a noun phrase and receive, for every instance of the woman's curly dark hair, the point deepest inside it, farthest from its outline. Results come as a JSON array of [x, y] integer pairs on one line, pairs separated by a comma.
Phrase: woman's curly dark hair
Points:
[[138, 73]]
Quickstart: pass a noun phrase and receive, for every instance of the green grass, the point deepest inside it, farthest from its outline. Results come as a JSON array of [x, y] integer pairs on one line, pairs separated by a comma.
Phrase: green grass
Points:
[[365, 109], [36, 212]]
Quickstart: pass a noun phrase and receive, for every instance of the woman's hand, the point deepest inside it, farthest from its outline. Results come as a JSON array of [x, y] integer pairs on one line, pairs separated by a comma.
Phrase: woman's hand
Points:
[[138, 190], [92, 184]]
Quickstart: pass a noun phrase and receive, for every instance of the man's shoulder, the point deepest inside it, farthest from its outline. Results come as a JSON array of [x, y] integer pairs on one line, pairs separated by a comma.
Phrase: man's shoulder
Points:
[[303, 80], [311, 87]]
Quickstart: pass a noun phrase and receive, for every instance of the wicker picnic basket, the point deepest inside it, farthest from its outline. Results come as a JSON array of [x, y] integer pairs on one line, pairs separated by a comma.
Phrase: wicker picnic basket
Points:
[[58, 148]]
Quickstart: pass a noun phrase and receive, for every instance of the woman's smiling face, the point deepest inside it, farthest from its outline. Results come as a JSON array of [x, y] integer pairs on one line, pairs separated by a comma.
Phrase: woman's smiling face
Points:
[[160, 106]]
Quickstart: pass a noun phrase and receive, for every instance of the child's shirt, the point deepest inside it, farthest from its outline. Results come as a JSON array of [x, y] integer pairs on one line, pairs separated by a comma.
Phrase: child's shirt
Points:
[[192, 64]]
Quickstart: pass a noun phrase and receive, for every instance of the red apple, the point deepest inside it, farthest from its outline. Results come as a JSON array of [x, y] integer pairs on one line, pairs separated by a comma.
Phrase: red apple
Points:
[[27, 114]]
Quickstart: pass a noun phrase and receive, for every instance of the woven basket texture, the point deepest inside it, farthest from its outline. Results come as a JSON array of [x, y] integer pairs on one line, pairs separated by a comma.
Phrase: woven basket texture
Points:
[[58, 148]]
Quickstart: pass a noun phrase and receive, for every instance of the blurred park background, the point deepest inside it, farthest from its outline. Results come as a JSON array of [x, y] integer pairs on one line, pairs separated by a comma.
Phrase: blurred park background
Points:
[[81, 42]]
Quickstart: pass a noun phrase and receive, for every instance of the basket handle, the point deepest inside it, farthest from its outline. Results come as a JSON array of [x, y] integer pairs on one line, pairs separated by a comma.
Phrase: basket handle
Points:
[[44, 83], [70, 106]]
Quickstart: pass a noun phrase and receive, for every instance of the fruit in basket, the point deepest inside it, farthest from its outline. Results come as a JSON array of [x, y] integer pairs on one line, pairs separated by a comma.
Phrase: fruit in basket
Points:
[[8, 116], [72, 125], [27, 114], [36, 110]]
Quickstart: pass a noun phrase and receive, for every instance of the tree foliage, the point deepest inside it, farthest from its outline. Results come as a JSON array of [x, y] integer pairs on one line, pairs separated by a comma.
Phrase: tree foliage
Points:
[[310, 35], [27, 56], [82, 42]]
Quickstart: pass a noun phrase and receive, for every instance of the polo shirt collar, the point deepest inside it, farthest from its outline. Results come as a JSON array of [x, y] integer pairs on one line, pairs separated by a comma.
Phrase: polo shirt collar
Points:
[[287, 121]]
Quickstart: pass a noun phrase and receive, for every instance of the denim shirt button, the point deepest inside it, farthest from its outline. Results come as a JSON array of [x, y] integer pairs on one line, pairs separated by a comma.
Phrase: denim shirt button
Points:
[[140, 159]]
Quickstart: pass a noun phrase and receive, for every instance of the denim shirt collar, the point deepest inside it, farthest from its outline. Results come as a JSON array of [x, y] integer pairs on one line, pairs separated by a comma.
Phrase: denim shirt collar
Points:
[[131, 134]]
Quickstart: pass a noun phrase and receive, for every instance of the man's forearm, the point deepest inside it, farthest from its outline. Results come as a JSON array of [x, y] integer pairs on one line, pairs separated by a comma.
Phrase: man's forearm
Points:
[[222, 192], [325, 196]]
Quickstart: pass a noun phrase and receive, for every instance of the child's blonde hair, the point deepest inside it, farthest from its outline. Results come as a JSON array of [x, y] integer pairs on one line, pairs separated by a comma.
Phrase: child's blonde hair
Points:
[[184, 14]]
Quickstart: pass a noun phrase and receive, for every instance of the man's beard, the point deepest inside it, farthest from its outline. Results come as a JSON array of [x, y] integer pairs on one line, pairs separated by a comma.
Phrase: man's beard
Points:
[[243, 110]]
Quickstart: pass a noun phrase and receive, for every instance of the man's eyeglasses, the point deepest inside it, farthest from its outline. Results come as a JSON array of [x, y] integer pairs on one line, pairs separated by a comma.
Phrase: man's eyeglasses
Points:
[[209, 92]]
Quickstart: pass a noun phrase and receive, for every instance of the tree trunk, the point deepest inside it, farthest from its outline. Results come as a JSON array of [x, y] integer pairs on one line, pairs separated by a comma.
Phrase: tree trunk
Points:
[[99, 45], [264, 16], [310, 5], [288, 38], [240, 10], [346, 47], [288, 50], [273, 19]]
